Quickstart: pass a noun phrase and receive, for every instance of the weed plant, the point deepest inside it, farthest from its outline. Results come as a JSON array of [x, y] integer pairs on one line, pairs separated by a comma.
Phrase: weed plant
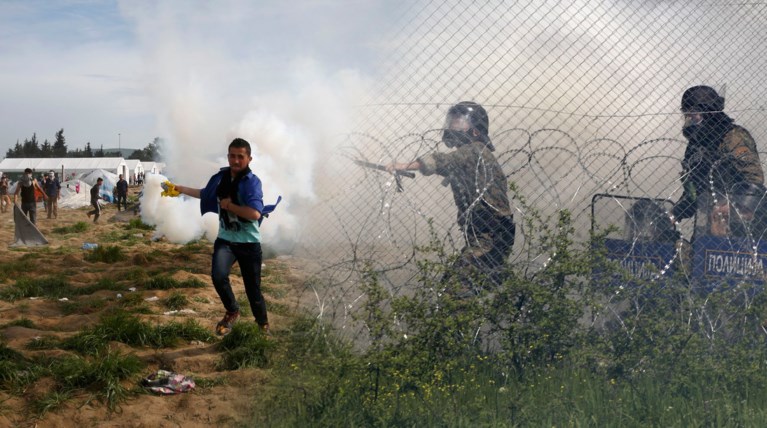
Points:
[[10, 269], [245, 346], [21, 322], [166, 282], [86, 306], [78, 227], [42, 343], [161, 282], [175, 301], [49, 402], [137, 224], [121, 326], [106, 254], [52, 287], [102, 375], [16, 371]]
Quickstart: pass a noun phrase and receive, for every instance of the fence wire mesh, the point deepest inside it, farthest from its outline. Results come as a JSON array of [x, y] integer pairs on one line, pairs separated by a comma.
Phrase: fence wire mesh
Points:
[[585, 116]]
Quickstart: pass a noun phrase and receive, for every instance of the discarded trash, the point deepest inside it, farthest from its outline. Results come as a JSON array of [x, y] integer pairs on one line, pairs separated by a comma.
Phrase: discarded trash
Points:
[[89, 246], [152, 299], [33, 298], [181, 311], [63, 299], [132, 289], [119, 296], [167, 383]]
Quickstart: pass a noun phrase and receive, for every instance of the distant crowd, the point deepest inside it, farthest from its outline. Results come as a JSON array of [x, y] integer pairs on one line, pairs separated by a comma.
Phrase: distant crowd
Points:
[[28, 192]]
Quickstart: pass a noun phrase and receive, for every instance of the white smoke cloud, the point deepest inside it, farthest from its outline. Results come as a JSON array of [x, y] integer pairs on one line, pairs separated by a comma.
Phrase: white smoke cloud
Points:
[[177, 219], [214, 76]]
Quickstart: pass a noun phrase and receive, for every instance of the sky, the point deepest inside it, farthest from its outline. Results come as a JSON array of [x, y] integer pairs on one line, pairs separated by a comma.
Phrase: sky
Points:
[[105, 70]]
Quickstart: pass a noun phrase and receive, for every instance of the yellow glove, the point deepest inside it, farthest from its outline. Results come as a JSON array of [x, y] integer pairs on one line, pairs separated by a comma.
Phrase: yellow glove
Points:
[[169, 189]]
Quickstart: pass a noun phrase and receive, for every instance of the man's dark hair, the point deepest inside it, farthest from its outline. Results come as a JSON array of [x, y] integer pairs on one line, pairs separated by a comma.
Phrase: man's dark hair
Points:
[[27, 170], [99, 179], [239, 143]]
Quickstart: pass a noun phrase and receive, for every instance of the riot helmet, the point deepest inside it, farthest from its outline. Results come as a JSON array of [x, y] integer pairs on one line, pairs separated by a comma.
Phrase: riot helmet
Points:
[[699, 103], [701, 99], [462, 120]]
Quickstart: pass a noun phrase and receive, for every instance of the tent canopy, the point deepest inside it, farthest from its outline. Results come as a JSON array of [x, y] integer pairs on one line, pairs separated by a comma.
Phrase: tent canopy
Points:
[[70, 166]]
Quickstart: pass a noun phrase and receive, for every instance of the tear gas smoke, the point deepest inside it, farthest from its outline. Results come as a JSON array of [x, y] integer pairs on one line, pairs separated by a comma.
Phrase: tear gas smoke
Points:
[[177, 219], [207, 93]]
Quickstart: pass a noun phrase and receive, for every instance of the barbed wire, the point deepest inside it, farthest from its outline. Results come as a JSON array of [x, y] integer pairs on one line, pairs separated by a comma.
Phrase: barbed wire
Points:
[[583, 101]]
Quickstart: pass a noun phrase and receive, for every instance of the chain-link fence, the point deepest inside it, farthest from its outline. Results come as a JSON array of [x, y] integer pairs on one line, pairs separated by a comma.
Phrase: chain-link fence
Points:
[[585, 107]]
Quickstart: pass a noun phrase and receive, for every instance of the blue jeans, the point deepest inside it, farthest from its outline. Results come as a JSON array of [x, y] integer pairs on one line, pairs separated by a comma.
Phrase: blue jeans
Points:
[[248, 256]]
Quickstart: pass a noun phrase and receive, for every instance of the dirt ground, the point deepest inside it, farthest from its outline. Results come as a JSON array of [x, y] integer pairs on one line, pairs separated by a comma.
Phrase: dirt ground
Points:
[[229, 403]]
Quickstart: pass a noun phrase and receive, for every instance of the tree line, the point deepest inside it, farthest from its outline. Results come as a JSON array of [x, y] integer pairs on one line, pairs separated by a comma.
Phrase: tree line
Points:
[[31, 148]]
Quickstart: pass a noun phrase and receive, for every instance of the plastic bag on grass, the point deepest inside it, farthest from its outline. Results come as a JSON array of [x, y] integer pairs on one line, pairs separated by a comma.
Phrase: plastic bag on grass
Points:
[[168, 383]]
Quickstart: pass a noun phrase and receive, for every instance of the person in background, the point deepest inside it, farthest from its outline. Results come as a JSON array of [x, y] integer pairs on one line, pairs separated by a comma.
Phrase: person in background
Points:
[[479, 189], [5, 199], [26, 188], [53, 192], [236, 194], [121, 193], [95, 196], [721, 158]]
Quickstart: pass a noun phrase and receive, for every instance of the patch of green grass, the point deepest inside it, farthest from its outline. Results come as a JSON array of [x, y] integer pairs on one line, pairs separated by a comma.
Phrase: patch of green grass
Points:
[[121, 326], [102, 375], [201, 299], [166, 282], [277, 293], [135, 274], [175, 301], [78, 227], [274, 272], [161, 282], [193, 283], [86, 306], [21, 322], [196, 247], [132, 300], [41, 343], [49, 402], [104, 283], [106, 254], [205, 383], [10, 269], [278, 308], [54, 287], [187, 331], [16, 371], [136, 223], [245, 346], [244, 304]]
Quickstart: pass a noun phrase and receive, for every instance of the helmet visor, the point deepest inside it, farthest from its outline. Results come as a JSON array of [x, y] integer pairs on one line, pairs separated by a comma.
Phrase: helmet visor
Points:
[[458, 121]]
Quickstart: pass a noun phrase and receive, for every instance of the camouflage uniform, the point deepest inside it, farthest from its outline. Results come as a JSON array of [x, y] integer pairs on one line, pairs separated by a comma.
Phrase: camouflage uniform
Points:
[[726, 162], [480, 192]]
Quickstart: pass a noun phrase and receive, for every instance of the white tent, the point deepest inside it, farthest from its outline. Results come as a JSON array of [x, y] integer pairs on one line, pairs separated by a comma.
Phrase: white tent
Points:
[[149, 167], [135, 167], [65, 168], [76, 193]]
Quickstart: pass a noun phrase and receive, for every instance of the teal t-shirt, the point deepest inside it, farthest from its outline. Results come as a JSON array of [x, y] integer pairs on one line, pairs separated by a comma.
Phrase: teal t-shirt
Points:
[[234, 229]]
